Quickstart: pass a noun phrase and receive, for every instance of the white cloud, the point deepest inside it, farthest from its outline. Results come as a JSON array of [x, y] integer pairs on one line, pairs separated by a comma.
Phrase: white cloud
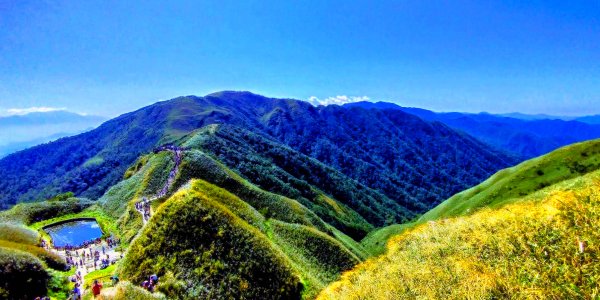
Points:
[[24, 111], [338, 100]]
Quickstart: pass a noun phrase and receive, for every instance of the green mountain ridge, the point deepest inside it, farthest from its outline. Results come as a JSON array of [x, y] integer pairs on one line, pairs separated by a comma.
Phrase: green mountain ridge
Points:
[[413, 162]]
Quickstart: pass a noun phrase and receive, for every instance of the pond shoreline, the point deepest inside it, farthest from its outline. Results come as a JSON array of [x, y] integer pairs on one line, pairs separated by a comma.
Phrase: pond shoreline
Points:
[[72, 220]]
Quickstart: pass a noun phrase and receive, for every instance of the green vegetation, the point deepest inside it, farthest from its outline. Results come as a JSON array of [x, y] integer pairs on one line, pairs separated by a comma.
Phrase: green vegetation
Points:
[[128, 291], [103, 275], [198, 165], [211, 251], [281, 170], [541, 244], [22, 275], [512, 184], [17, 239], [376, 241], [50, 259], [18, 234], [317, 257], [527, 250], [28, 213], [505, 187]]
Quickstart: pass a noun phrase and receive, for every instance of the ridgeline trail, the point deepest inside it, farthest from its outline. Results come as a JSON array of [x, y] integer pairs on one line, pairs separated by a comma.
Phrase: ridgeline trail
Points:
[[143, 206]]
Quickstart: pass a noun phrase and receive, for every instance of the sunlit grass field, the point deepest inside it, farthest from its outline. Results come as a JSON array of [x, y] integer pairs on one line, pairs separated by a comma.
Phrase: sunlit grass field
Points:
[[544, 246]]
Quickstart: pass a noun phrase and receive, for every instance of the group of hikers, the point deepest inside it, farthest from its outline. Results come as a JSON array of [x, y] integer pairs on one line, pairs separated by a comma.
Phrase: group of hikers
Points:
[[97, 286], [96, 253], [109, 241], [144, 208], [77, 290]]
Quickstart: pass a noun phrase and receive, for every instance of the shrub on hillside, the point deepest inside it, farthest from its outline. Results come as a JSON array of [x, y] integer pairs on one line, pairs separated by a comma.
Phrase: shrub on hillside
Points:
[[28, 213], [18, 234], [127, 291], [22, 275], [52, 260]]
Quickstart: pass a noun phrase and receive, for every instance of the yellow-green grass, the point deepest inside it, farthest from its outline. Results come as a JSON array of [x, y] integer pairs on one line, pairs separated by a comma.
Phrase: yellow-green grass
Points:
[[512, 184], [103, 276], [526, 250], [199, 165], [506, 186], [211, 251], [18, 234], [375, 242], [127, 291], [317, 257], [145, 178], [50, 259]]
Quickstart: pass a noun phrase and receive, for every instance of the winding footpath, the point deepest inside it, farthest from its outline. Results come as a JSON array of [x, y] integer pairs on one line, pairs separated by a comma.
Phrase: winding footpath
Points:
[[143, 206]]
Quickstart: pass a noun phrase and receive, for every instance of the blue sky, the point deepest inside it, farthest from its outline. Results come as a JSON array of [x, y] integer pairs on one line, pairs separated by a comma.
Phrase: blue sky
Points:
[[111, 57]]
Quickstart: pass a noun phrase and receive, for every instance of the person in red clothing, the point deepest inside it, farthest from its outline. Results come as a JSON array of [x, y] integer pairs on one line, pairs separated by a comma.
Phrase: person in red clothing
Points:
[[96, 288]]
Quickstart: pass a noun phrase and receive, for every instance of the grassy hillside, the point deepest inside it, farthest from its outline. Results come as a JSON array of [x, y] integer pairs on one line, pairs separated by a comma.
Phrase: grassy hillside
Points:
[[526, 250], [314, 251], [506, 186], [510, 185], [282, 221], [20, 236], [212, 252]]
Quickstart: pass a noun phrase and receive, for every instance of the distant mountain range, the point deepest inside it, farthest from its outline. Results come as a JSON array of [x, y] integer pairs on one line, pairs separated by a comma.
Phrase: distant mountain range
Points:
[[19, 132], [526, 136], [415, 163]]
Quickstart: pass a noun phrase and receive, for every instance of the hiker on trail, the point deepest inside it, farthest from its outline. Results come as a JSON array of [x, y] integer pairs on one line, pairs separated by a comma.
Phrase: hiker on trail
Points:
[[115, 279], [76, 292], [96, 288]]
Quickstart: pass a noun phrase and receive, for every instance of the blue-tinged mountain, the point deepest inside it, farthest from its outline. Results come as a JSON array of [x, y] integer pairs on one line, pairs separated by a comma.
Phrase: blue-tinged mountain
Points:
[[19, 132], [525, 138], [595, 119], [415, 163]]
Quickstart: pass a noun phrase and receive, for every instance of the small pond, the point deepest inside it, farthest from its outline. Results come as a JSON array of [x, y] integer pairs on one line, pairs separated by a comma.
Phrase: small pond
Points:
[[74, 233]]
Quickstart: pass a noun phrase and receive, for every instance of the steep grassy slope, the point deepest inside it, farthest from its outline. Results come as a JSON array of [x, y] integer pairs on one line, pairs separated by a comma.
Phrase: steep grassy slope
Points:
[[315, 251], [543, 246], [219, 246], [510, 185], [412, 162]]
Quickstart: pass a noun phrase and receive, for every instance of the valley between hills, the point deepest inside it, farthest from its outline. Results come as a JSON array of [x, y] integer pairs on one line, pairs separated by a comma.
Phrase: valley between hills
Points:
[[239, 196]]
